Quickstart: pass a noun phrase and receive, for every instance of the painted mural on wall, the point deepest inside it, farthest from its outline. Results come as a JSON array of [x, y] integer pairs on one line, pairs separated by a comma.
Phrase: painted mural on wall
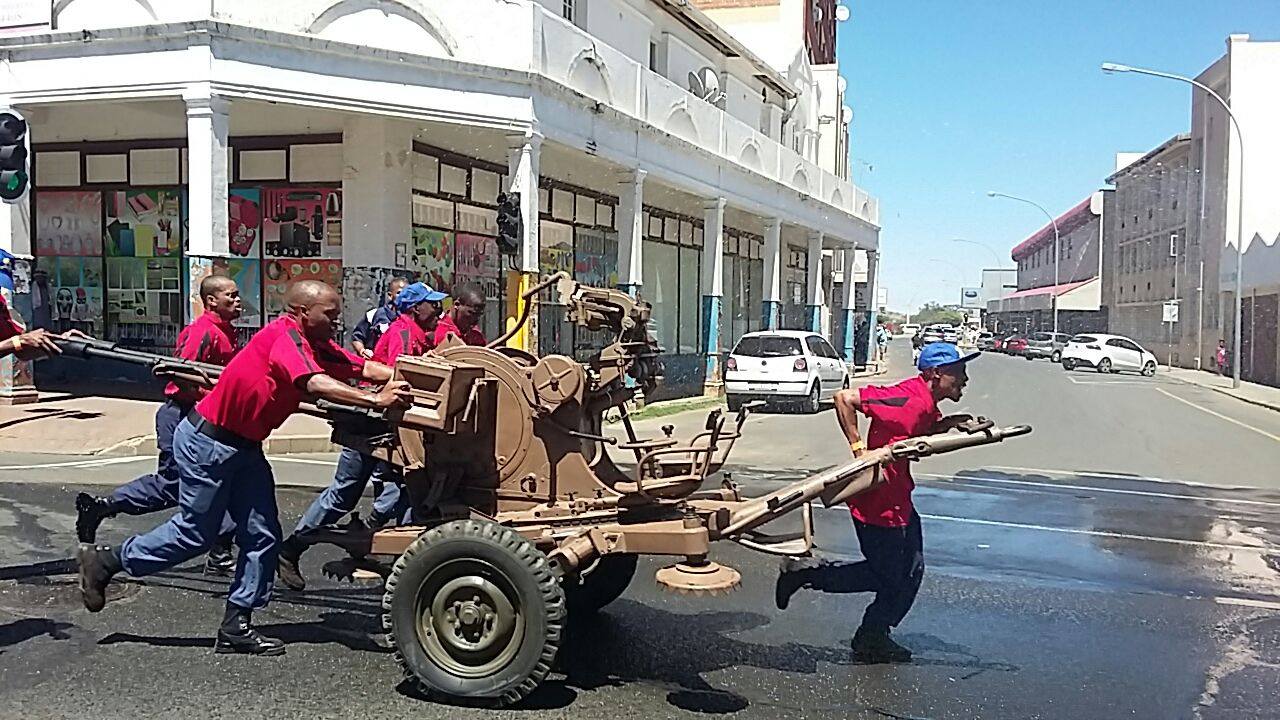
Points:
[[477, 261], [278, 274], [244, 222], [432, 257], [144, 223], [66, 294], [247, 275], [69, 223], [302, 222]]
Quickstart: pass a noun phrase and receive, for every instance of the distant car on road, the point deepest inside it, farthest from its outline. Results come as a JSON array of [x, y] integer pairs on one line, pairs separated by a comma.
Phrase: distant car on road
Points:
[[951, 335], [1046, 345], [931, 334], [1108, 353], [910, 329], [1014, 344], [986, 341], [790, 366]]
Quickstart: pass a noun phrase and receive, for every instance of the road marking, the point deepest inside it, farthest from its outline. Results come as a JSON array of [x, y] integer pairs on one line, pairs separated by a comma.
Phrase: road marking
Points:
[[1144, 383], [1122, 476], [301, 461], [1082, 531], [1232, 420], [1095, 488], [1247, 602], [99, 462]]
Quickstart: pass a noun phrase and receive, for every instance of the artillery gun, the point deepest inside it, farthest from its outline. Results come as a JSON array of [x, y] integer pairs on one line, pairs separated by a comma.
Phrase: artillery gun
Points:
[[521, 517]]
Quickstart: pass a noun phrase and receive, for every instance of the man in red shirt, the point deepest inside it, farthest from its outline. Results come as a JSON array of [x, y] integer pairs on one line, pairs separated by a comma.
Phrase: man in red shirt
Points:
[[210, 338], [463, 319], [419, 308], [222, 469], [884, 518], [15, 340]]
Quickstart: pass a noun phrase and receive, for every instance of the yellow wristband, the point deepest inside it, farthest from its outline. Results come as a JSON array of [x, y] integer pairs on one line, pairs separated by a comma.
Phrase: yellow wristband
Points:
[[856, 446], [17, 343]]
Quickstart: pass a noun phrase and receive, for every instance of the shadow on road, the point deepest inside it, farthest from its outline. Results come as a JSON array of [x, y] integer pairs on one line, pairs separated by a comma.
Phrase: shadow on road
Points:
[[20, 631], [350, 630]]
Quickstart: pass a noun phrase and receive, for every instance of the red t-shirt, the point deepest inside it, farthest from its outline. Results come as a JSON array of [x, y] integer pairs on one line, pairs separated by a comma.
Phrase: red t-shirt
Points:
[[8, 326], [404, 336], [897, 412], [260, 387], [447, 327], [208, 339]]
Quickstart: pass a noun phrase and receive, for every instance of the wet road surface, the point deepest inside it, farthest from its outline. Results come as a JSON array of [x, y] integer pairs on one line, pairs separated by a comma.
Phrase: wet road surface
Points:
[[1121, 562]]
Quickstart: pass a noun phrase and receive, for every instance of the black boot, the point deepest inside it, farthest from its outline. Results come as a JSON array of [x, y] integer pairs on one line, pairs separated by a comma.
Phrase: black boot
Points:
[[873, 645], [90, 512], [287, 568], [792, 575], [98, 564], [220, 561], [236, 635]]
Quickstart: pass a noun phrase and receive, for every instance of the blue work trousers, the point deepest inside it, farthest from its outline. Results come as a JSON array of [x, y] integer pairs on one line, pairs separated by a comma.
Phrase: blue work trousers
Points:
[[343, 494], [159, 490], [216, 480]]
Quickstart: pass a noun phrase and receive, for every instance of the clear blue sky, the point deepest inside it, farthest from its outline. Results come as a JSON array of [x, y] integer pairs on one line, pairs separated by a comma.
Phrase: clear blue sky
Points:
[[952, 99]]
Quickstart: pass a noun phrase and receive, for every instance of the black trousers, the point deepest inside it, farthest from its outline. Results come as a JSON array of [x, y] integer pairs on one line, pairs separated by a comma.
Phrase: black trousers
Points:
[[893, 569]]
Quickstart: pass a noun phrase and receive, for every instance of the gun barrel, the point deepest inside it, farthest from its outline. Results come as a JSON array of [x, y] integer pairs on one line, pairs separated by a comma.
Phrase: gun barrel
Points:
[[90, 349], [841, 482]]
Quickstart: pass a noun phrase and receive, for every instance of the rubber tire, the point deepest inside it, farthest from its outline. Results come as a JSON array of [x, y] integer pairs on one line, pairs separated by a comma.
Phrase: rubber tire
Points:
[[813, 404], [1056, 357], [603, 585], [1068, 364], [735, 404], [538, 591], [1149, 370], [1104, 365], [1028, 358]]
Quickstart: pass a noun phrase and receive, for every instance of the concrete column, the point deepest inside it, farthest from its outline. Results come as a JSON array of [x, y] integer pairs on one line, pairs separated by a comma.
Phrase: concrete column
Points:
[[17, 384], [523, 155], [630, 223], [377, 209], [772, 310], [207, 121], [815, 295], [712, 291], [846, 305], [873, 290]]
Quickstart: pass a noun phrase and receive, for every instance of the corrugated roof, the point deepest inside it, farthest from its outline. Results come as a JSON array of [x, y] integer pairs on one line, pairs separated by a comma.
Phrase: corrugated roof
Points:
[[1062, 289], [1067, 221]]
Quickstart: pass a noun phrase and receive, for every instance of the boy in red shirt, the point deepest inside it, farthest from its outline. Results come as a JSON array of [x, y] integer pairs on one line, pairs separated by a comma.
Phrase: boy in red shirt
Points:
[[884, 518], [210, 338], [463, 319]]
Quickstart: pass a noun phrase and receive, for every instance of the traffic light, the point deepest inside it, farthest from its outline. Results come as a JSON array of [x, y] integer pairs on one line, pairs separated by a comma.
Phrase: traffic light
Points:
[[510, 223], [14, 174]]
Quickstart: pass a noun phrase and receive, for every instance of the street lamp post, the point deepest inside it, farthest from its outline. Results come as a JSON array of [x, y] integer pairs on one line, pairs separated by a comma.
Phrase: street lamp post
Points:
[[994, 256], [1056, 241], [1239, 309]]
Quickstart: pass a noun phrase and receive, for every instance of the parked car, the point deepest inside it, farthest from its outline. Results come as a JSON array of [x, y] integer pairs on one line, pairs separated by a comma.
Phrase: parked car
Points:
[[910, 329], [931, 334], [1046, 345], [784, 366], [951, 334], [1108, 353], [986, 340], [1015, 344]]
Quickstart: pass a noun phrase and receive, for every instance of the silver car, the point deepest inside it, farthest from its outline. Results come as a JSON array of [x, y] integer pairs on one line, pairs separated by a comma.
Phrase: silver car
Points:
[[1046, 345]]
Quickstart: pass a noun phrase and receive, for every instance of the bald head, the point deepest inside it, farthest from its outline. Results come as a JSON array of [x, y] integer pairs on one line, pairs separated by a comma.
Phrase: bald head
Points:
[[220, 295], [316, 306]]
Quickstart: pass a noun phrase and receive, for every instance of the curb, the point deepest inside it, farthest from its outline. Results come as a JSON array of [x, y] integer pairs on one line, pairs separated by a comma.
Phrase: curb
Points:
[[275, 445], [1228, 393]]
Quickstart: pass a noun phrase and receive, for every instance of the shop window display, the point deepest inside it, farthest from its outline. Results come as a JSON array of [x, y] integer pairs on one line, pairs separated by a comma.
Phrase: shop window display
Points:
[[67, 279], [144, 296]]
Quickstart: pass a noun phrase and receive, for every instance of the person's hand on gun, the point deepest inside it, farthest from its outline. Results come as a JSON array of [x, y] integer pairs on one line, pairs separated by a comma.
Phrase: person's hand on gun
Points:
[[396, 393], [38, 343]]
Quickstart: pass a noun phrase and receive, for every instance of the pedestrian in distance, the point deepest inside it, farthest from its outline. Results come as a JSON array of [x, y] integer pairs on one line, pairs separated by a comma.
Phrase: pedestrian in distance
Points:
[[221, 466], [1220, 358], [882, 341], [364, 337], [419, 308], [884, 518], [210, 338]]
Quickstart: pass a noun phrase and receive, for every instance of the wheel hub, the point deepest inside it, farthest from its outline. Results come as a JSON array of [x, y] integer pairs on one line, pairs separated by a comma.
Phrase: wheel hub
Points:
[[468, 622]]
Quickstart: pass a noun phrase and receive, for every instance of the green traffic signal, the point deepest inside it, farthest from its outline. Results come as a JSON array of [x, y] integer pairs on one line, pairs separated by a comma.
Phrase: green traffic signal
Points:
[[13, 183]]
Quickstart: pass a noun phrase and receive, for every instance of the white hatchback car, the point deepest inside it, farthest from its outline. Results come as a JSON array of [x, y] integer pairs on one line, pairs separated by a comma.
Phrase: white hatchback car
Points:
[[1108, 353], [791, 366]]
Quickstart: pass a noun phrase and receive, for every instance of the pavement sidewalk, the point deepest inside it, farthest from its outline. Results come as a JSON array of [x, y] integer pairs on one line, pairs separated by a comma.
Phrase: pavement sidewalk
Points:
[[78, 425], [1253, 393]]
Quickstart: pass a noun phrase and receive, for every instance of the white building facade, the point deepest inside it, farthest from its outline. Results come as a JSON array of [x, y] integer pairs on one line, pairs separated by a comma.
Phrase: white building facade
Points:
[[356, 140]]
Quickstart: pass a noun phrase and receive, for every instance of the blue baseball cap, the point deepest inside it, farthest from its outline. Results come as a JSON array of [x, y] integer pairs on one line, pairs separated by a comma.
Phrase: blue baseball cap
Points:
[[415, 293], [941, 353]]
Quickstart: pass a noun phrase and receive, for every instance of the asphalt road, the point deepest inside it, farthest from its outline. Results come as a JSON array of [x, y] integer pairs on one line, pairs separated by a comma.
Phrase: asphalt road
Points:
[[1123, 561]]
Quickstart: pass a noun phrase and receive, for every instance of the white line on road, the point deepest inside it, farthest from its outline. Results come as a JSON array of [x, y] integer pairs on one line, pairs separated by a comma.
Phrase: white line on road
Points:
[[1232, 420], [1121, 476], [1095, 488], [1247, 602], [98, 462], [301, 461], [1082, 531]]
